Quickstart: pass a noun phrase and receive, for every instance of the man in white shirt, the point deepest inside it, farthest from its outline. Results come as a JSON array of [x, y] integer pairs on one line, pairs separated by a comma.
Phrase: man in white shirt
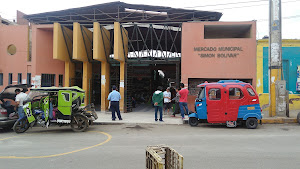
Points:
[[20, 97], [167, 100]]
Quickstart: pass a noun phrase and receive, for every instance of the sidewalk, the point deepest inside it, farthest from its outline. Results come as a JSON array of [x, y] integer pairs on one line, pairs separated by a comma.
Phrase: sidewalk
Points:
[[279, 120], [143, 114]]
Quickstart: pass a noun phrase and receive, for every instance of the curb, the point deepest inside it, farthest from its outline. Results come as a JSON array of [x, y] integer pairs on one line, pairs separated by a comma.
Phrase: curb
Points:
[[106, 123], [279, 120], [264, 121], [136, 123]]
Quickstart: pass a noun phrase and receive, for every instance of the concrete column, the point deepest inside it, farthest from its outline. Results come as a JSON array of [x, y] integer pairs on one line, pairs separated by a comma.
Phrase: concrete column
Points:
[[122, 85], [87, 81], [120, 54], [82, 51], [101, 49], [105, 76], [275, 58], [62, 50], [69, 73]]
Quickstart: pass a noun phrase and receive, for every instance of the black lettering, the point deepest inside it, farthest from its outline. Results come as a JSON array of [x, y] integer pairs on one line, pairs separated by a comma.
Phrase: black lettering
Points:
[[206, 55]]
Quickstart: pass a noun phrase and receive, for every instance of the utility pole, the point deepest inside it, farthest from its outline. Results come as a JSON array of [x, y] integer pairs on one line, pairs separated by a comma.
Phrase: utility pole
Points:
[[275, 57]]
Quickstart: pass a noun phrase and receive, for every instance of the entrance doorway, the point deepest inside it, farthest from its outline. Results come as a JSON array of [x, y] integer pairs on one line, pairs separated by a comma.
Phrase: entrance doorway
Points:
[[142, 81]]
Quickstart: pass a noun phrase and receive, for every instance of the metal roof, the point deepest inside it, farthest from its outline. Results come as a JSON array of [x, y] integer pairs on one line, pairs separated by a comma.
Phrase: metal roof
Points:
[[108, 13]]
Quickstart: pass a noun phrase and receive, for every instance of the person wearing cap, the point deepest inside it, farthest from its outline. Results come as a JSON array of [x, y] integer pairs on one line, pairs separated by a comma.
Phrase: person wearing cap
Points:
[[114, 97]]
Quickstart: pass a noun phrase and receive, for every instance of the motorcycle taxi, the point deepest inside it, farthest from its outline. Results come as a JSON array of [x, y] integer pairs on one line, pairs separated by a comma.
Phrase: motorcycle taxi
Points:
[[47, 106], [228, 101]]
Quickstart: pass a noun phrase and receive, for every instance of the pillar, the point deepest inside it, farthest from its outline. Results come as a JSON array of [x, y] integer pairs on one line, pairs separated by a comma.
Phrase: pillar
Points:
[[62, 50], [101, 49], [82, 51], [69, 74], [122, 85], [105, 77], [87, 81], [120, 54], [275, 75]]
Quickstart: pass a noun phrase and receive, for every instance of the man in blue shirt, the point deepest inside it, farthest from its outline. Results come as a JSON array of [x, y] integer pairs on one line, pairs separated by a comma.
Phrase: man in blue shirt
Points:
[[114, 97]]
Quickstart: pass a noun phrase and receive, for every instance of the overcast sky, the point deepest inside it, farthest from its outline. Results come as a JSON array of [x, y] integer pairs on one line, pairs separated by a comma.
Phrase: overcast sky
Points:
[[242, 10]]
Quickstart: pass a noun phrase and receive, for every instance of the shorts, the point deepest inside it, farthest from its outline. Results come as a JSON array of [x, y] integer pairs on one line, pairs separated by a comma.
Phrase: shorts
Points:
[[167, 105]]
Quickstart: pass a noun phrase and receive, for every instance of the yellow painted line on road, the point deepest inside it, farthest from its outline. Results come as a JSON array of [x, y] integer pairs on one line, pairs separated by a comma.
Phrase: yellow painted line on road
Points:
[[61, 154], [14, 137], [8, 138]]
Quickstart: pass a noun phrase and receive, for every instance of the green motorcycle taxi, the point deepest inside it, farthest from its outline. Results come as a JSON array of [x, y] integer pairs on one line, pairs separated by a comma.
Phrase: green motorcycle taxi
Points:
[[47, 106]]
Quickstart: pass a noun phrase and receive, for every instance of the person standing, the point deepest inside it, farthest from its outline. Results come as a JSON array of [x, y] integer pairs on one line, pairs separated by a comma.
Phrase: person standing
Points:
[[183, 99], [157, 99], [20, 97], [114, 97], [167, 100], [176, 99]]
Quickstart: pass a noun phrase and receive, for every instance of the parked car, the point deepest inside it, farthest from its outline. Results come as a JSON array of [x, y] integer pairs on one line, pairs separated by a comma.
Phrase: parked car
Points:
[[227, 101], [8, 115]]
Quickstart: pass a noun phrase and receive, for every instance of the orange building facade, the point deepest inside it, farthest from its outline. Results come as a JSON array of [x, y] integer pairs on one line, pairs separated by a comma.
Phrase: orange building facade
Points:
[[212, 51], [26, 56]]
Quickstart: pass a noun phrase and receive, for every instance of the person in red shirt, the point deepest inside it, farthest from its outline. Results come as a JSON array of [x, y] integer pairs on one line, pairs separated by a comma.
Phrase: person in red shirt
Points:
[[183, 100]]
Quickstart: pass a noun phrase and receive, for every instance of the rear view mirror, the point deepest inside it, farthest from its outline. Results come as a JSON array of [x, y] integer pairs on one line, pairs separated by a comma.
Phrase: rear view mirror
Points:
[[198, 100]]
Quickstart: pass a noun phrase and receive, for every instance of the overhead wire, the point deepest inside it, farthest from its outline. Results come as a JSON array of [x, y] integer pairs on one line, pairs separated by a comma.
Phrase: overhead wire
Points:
[[250, 5], [232, 3]]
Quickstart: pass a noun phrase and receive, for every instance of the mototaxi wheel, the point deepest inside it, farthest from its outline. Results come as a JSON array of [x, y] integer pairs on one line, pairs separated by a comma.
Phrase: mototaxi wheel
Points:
[[251, 123], [79, 123], [21, 125], [298, 118], [193, 121]]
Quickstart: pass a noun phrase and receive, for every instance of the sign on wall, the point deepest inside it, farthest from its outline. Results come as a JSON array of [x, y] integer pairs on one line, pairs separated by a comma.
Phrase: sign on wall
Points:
[[36, 81], [218, 52], [298, 79]]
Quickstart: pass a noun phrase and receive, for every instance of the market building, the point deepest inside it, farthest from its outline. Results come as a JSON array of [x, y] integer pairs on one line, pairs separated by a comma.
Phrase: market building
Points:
[[136, 47], [213, 51]]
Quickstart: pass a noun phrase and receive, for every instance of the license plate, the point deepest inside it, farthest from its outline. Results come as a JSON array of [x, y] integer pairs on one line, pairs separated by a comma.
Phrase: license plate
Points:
[[231, 123]]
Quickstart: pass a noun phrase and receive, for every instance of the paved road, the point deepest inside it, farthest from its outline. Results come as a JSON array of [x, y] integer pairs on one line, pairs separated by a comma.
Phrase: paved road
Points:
[[206, 146]]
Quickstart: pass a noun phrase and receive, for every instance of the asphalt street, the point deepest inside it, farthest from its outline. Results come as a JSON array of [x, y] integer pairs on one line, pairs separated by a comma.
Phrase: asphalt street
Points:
[[123, 146]]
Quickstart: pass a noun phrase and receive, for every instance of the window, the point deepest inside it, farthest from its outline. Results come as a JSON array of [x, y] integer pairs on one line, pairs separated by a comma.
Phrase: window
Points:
[[30, 45], [48, 80], [28, 78], [60, 80], [1, 79], [74, 95], [235, 93], [82, 100], [227, 31], [11, 49], [19, 78], [10, 78], [66, 96], [251, 92], [201, 94], [214, 94]]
